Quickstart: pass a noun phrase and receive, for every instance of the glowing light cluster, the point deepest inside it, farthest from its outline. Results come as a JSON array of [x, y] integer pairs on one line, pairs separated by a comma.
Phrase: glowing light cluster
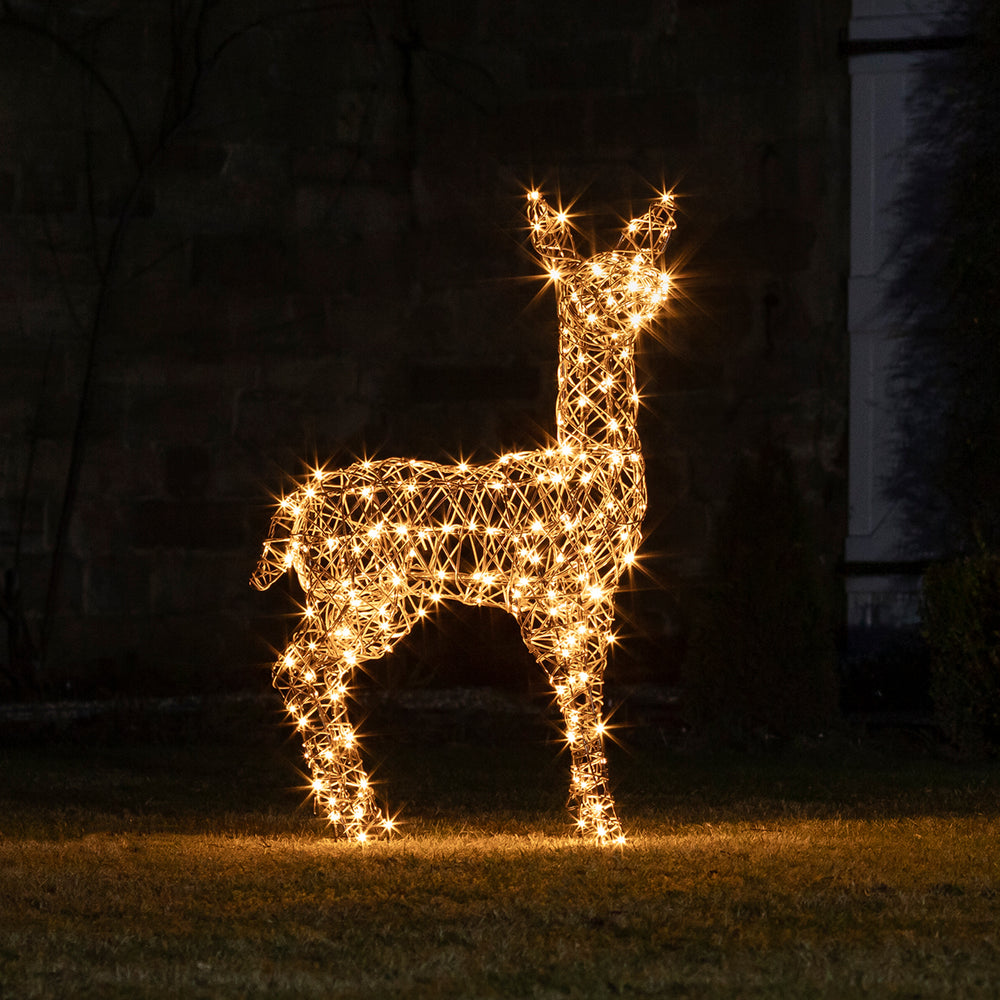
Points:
[[545, 535]]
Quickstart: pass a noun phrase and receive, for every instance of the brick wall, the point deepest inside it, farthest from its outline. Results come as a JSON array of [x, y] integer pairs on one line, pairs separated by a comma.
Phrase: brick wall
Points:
[[311, 246]]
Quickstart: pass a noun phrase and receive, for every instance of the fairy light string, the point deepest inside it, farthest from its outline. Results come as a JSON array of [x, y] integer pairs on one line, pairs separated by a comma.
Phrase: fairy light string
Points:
[[546, 535]]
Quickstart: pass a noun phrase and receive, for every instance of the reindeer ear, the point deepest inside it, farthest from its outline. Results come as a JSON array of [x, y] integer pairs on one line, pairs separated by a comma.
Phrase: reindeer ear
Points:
[[651, 231], [550, 232]]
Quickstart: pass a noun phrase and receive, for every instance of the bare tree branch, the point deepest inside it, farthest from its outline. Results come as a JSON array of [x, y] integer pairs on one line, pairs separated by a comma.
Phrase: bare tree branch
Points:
[[17, 22]]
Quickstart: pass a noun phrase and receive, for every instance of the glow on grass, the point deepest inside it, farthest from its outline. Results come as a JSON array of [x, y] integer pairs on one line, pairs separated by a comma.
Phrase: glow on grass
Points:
[[545, 535]]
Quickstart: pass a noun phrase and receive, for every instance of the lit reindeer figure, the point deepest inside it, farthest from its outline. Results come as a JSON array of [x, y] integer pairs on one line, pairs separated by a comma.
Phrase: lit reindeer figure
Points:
[[544, 535]]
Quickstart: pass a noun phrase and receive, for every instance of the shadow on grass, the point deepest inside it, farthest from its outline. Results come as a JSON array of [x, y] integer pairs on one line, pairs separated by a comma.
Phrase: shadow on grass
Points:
[[238, 769]]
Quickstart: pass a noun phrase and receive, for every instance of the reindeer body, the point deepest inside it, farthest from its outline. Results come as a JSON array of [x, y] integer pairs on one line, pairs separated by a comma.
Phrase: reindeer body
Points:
[[545, 535]]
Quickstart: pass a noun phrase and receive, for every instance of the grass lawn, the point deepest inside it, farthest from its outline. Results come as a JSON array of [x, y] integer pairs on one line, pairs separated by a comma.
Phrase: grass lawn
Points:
[[187, 866]]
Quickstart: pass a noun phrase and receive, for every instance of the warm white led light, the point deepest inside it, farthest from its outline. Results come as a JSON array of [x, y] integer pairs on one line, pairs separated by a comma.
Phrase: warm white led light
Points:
[[377, 545]]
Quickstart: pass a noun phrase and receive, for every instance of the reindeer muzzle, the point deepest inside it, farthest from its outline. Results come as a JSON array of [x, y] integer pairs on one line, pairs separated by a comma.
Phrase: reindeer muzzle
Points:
[[270, 567]]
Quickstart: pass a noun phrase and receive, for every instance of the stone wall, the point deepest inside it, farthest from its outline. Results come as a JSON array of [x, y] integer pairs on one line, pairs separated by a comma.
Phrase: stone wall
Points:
[[256, 238]]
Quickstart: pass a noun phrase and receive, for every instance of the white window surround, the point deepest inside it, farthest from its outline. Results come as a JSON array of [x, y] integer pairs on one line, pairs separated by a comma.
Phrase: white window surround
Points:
[[885, 51]]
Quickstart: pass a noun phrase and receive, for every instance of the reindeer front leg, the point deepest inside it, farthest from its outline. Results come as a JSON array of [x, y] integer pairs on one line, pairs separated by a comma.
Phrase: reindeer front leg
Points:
[[573, 651], [580, 698], [313, 679]]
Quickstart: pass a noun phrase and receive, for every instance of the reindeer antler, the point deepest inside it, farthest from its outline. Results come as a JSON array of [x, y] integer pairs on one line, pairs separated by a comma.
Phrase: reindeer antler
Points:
[[651, 231], [550, 232]]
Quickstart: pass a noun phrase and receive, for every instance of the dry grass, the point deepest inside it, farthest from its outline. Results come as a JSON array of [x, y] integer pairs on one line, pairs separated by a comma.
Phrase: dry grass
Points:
[[156, 871]]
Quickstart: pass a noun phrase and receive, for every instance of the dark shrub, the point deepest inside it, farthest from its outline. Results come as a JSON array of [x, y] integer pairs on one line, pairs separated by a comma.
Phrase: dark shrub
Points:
[[961, 624]]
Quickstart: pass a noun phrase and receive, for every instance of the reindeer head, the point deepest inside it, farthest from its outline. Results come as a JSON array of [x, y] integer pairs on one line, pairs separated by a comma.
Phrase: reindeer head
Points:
[[611, 293]]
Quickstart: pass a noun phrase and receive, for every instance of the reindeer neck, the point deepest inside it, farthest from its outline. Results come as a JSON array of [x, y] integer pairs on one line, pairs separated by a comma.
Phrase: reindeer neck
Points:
[[597, 402]]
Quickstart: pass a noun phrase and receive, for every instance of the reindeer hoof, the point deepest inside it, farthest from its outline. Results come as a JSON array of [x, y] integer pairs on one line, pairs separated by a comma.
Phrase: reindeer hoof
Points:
[[356, 823], [598, 823]]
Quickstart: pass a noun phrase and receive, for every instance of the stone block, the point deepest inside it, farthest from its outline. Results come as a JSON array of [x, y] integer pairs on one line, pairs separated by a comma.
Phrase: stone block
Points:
[[268, 418], [430, 326], [562, 18], [7, 189], [625, 122], [184, 581], [300, 374], [237, 474], [689, 375], [96, 655], [443, 178], [21, 527], [549, 127], [13, 459], [36, 573], [520, 428], [48, 466], [466, 383], [194, 154], [323, 164], [240, 260], [375, 212], [116, 585], [180, 524], [57, 417], [177, 414], [289, 325], [205, 652], [17, 408], [440, 29], [766, 242], [294, 421], [323, 261], [111, 468], [343, 265], [52, 267], [98, 526], [187, 471], [585, 66], [183, 325], [49, 191], [680, 529], [315, 202], [108, 412], [454, 252], [113, 198], [667, 474]]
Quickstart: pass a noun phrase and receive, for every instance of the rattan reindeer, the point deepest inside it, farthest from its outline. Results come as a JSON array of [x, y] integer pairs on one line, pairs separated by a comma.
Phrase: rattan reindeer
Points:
[[545, 535]]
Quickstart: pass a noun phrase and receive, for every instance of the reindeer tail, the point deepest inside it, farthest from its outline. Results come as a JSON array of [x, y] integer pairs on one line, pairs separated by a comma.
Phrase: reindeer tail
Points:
[[275, 558]]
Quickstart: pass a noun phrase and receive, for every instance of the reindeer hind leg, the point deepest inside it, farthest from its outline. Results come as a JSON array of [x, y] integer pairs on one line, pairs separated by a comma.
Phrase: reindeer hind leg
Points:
[[313, 681]]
